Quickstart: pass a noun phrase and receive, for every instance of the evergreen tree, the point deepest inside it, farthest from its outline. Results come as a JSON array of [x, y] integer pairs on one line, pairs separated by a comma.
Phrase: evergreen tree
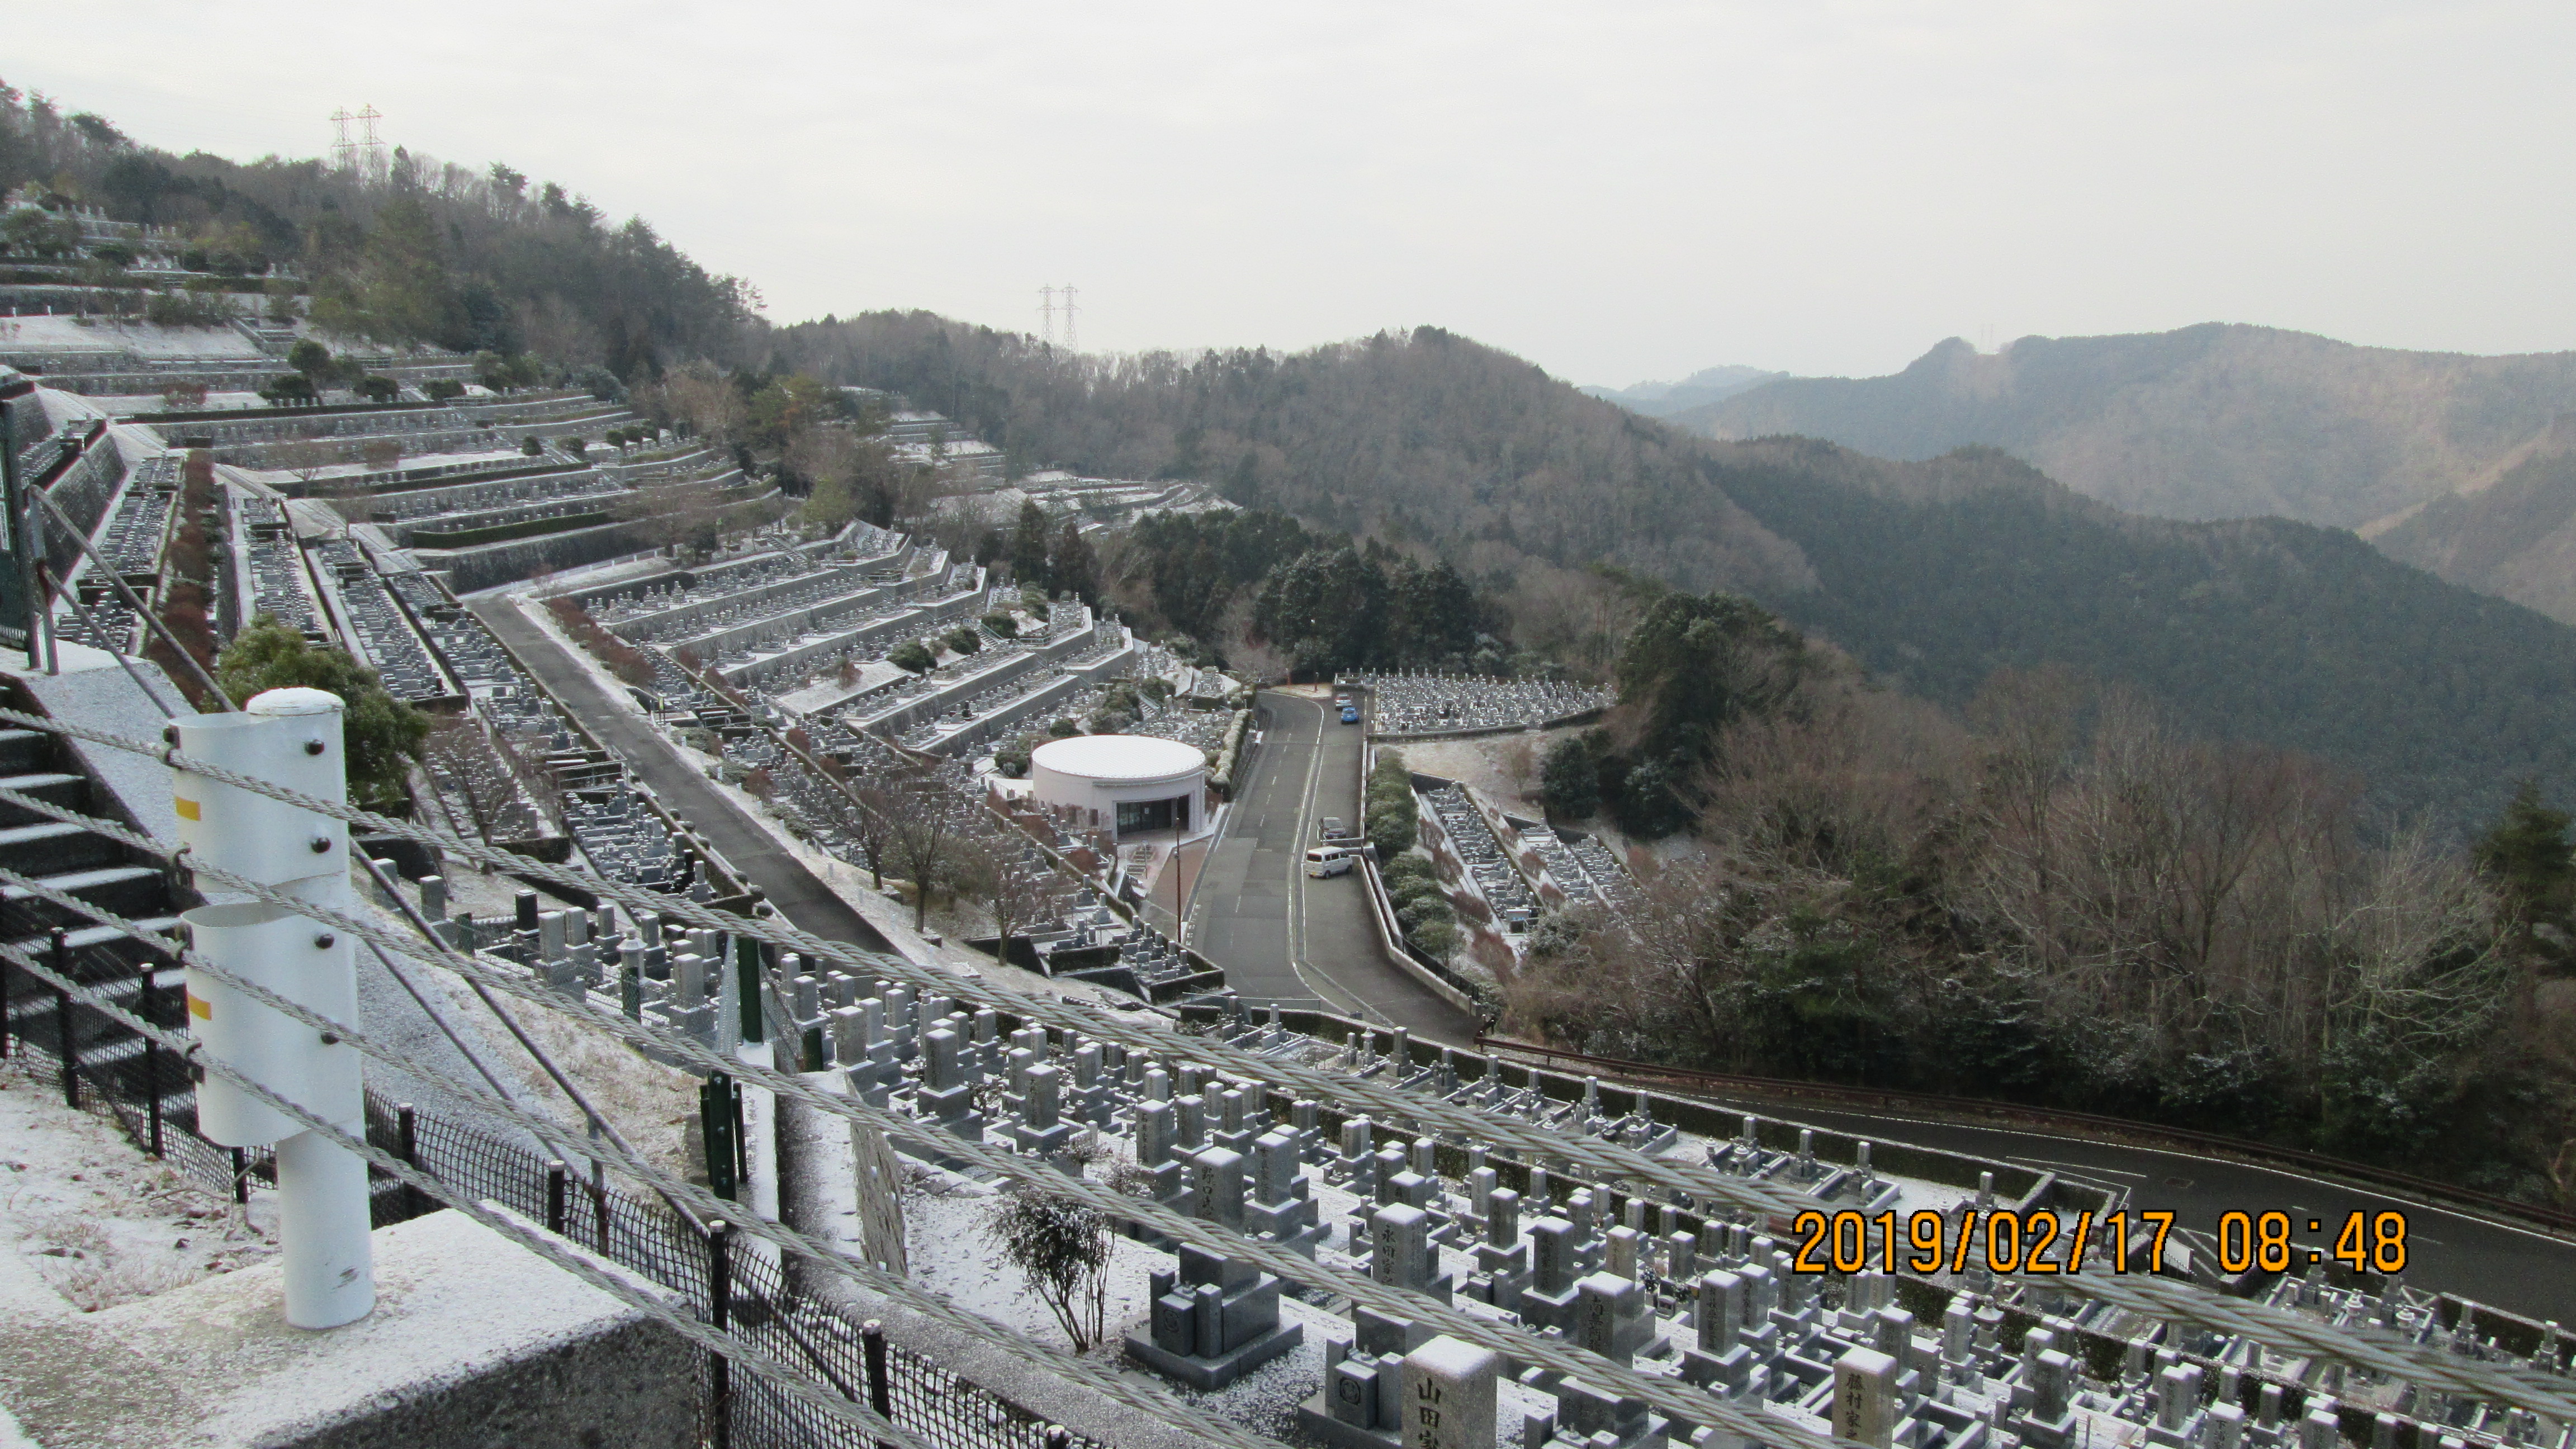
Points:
[[383, 734], [2529, 856], [1323, 610], [1570, 779], [1029, 547], [1071, 565], [1694, 663]]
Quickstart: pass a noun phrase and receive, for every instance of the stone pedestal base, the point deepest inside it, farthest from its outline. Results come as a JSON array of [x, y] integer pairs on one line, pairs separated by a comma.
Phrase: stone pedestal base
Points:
[[1213, 1373]]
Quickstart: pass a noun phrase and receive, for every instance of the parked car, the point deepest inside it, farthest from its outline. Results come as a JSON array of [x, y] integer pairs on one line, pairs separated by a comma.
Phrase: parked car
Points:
[[1334, 829], [1329, 860], [1350, 714]]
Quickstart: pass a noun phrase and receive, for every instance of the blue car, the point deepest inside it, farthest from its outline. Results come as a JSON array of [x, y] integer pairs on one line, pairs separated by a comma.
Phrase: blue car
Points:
[[1350, 714]]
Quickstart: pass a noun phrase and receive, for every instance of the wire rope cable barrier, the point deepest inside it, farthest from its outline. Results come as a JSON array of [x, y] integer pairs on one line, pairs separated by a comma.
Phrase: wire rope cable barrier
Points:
[[543, 1244], [1688, 1405], [2376, 1350], [2373, 1349], [545, 1129]]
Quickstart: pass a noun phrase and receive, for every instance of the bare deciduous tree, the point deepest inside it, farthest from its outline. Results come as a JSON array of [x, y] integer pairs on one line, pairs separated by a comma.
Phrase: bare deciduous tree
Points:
[[923, 845], [1062, 1248], [990, 871]]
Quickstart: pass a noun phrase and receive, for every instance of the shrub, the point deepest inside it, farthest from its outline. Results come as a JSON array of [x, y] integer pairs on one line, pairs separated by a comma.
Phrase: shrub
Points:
[[379, 389], [1436, 939], [442, 390], [1061, 1248], [1063, 728], [383, 733], [912, 657], [1006, 625], [963, 640], [1406, 867], [1415, 888], [1390, 827], [532, 447]]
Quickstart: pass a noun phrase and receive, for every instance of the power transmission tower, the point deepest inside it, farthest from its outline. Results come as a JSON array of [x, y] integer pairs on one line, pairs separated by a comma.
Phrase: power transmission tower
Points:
[[374, 145], [1046, 311], [344, 156], [1069, 344]]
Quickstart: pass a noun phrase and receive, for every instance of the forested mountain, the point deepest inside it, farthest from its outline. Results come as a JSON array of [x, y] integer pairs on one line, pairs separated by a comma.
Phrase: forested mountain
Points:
[[1933, 572], [2214, 421], [1708, 385], [432, 253], [2514, 538]]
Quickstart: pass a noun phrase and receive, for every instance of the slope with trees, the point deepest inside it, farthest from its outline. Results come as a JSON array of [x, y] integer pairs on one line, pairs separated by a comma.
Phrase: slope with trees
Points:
[[1572, 514], [436, 253], [2514, 537], [2060, 895]]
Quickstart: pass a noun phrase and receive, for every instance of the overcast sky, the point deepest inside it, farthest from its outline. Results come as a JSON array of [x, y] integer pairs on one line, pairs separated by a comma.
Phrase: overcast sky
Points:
[[1615, 192]]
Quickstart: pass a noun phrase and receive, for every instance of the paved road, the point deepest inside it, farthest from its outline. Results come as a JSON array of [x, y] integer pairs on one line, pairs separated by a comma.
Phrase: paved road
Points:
[[2514, 1268], [1278, 933], [799, 896]]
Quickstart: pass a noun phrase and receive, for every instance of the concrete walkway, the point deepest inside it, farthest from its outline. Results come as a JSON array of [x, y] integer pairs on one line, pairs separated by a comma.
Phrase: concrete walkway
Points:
[[753, 852]]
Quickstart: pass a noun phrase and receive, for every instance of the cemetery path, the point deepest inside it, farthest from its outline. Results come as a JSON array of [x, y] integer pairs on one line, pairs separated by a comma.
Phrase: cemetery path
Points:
[[2520, 1269], [802, 898], [1279, 934]]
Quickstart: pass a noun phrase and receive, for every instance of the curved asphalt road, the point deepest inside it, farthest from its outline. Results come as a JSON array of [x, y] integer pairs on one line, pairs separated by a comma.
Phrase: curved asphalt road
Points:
[[1278, 933]]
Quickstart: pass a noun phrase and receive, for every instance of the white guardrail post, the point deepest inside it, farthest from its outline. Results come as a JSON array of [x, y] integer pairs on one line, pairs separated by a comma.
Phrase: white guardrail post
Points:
[[293, 738]]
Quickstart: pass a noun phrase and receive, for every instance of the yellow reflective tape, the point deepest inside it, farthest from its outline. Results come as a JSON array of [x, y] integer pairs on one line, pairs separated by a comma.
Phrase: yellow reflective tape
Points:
[[187, 808], [200, 1007]]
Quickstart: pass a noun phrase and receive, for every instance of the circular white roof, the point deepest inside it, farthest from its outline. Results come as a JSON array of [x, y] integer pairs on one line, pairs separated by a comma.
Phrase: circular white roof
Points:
[[1114, 759]]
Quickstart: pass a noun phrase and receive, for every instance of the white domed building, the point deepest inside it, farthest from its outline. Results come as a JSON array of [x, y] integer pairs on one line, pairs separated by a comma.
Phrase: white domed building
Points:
[[1131, 785]]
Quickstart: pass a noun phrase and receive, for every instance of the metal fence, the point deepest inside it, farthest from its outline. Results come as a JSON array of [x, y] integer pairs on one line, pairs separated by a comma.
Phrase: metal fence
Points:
[[150, 1097]]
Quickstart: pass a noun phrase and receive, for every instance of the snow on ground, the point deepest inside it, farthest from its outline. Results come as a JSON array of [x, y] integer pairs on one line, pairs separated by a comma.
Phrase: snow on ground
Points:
[[100, 1221], [650, 1105], [140, 338], [827, 692], [280, 477], [1478, 763], [952, 1253]]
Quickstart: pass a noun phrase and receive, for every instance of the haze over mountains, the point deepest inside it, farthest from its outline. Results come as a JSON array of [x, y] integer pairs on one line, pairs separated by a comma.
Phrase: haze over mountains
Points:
[[1934, 573], [1708, 385], [2214, 421], [2224, 421]]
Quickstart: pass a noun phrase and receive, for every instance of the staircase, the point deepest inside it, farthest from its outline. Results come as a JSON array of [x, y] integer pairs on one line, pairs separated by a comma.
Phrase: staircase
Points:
[[113, 1063], [115, 1066]]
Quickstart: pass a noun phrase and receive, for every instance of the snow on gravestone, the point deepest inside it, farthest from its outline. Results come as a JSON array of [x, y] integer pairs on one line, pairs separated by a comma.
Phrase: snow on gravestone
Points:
[[1449, 1395]]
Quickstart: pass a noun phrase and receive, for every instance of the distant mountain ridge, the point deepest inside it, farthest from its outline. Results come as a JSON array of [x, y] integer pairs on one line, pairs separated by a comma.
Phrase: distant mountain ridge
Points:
[[1934, 573], [2206, 422], [1708, 385]]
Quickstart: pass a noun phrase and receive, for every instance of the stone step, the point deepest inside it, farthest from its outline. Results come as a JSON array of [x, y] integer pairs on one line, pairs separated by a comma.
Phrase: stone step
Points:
[[51, 786], [53, 846]]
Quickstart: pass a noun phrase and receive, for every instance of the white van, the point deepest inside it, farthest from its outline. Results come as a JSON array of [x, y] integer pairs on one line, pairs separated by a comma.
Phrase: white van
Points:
[[1326, 860]]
